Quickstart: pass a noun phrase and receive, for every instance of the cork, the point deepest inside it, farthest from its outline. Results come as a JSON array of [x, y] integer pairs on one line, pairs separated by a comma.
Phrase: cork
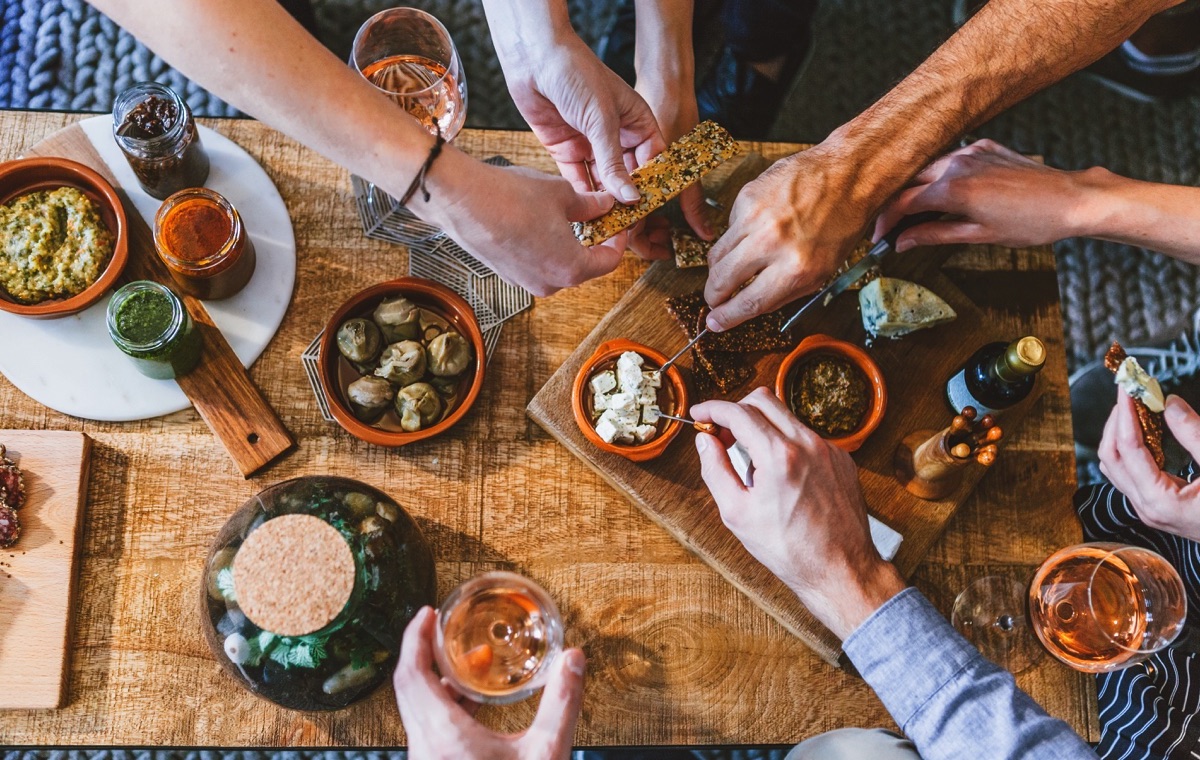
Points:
[[293, 575]]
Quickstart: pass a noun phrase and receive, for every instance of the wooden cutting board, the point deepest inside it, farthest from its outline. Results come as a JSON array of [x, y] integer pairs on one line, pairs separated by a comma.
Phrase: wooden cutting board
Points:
[[669, 488], [37, 575], [219, 387]]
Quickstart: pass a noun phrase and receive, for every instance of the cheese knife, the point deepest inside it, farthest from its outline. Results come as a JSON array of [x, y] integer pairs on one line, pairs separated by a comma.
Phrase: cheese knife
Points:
[[873, 258]]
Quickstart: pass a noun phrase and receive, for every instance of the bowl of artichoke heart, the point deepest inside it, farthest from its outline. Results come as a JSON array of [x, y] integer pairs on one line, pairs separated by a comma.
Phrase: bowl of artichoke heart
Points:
[[402, 361], [63, 237]]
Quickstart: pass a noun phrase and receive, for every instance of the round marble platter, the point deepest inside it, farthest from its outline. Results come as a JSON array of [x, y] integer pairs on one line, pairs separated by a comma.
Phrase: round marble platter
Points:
[[72, 366]]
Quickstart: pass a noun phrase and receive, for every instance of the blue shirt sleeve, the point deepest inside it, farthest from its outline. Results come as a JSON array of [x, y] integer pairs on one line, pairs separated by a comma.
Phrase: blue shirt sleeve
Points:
[[948, 699]]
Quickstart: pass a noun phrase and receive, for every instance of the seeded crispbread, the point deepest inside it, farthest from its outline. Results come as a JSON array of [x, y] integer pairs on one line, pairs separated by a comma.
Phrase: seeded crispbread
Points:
[[715, 370], [662, 178], [690, 251], [1150, 422]]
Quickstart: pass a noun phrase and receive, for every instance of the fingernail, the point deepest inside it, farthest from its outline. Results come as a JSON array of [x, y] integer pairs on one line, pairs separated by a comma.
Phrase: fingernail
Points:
[[712, 324], [575, 662], [702, 443], [629, 194], [1174, 407]]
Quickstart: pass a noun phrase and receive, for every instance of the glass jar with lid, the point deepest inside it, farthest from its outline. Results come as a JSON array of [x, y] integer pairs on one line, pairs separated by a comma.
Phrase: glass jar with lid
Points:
[[199, 235], [308, 588], [155, 130], [149, 323]]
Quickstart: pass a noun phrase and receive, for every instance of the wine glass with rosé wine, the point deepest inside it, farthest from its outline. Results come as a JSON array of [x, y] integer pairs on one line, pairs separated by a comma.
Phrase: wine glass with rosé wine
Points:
[[408, 55], [497, 636], [1096, 607]]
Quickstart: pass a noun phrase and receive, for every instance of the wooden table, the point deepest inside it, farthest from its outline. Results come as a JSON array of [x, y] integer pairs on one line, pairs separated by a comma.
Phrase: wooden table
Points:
[[677, 655]]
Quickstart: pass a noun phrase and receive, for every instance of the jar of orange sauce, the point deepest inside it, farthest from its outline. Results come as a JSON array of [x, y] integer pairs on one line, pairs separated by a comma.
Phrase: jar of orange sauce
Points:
[[200, 237]]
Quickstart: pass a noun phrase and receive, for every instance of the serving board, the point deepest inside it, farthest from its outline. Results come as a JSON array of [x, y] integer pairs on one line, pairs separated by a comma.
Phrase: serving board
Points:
[[220, 388], [37, 575], [669, 488]]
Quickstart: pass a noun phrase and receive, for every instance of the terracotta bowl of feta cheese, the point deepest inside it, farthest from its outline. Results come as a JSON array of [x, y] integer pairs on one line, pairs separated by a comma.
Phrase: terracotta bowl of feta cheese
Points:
[[618, 395]]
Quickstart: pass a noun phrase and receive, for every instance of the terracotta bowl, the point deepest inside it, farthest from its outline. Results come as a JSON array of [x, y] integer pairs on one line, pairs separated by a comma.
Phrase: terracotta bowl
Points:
[[581, 400], [824, 344], [422, 292], [27, 175]]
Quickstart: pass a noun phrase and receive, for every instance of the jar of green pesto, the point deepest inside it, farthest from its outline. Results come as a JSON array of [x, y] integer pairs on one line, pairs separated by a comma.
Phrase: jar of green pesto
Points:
[[149, 323]]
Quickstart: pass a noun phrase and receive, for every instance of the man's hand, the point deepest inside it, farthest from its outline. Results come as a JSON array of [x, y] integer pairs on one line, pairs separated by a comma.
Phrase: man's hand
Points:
[[789, 230], [997, 195], [1161, 500], [518, 222], [804, 518], [441, 726]]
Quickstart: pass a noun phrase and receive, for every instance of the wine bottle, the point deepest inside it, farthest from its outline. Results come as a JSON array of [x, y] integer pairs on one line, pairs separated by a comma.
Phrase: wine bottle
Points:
[[997, 376]]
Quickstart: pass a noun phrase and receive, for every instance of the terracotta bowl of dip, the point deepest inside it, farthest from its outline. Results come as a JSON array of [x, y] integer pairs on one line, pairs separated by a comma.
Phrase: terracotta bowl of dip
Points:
[[28, 175], [816, 345], [335, 372], [672, 398]]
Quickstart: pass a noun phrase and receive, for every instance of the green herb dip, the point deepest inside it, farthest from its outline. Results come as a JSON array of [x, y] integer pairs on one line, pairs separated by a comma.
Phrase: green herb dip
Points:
[[142, 324]]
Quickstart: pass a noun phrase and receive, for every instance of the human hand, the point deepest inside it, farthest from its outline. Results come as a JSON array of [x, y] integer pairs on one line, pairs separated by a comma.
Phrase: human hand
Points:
[[1161, 500], [440, 724], [789, 230], [594, 125], [995, 195], [517, 221], [804, 518]]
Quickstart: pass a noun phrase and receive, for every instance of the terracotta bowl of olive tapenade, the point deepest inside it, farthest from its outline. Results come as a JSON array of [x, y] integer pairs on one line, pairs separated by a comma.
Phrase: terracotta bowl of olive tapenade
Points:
[[835, 388], [75, 220], [402, 361], [644, 441]]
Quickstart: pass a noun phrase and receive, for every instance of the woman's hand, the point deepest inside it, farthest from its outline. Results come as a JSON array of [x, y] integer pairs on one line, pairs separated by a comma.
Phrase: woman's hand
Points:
[[440, 723], [996, 196], [518, 222], [804, 518], [1161, 500]]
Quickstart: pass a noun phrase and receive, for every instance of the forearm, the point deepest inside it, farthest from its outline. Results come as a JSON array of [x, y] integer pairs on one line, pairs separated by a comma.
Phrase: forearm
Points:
[[1160, 217], [663, 55], [1009, 50], [522, 30], [255, 56], [945, 696]]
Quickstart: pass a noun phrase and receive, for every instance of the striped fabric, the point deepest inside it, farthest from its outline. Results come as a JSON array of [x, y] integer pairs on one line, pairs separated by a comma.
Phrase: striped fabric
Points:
[[1149, 710]]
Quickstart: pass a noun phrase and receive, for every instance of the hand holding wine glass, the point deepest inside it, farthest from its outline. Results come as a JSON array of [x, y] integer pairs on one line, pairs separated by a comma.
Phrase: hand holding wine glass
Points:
[[1161, 500], [441, 725]]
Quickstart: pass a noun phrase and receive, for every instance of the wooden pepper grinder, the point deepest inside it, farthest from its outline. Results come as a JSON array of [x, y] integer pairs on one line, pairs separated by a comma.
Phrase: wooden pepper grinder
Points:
[[930, 464]]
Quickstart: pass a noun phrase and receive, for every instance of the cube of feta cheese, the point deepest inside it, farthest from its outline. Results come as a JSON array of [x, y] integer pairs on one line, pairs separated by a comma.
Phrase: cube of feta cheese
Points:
[[644, 433], [623, 402], [599, 402], [647, 395], [652, 379], [604, 383], [650, 414], [629, 372], [606, 429]]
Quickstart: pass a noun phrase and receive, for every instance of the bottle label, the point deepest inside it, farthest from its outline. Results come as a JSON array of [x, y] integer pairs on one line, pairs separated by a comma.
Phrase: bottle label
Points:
[[960, 398]]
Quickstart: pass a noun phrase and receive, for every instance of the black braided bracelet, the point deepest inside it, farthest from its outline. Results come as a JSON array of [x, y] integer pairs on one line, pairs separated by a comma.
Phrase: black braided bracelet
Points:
[[419, 180]]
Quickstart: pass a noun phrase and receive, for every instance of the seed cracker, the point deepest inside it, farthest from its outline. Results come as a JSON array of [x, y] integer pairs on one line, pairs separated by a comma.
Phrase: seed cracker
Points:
[[662, 178]]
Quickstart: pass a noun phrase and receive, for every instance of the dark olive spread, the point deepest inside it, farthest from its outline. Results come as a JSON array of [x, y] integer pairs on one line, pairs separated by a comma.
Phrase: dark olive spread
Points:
[[830, 395], [150, 118], [156, 132]]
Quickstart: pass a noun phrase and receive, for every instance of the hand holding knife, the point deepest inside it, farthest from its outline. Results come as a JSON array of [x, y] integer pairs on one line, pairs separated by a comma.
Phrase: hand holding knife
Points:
[[738, 455]]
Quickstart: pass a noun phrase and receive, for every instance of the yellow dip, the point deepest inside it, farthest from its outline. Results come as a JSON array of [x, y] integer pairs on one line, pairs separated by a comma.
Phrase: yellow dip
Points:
[[53, 244]]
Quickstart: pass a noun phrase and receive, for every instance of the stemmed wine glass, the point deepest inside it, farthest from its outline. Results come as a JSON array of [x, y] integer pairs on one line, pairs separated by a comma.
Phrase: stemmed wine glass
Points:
[[497, 636], [1096, 607], [408, 55]]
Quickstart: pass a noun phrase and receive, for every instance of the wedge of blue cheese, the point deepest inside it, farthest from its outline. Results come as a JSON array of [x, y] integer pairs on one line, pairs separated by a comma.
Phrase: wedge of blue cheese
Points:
[[1139, 384], [625, 401], [892, 308]]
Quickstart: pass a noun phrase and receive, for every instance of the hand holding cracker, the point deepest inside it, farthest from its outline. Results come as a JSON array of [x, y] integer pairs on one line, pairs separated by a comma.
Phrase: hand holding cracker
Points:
[[1161, 500]]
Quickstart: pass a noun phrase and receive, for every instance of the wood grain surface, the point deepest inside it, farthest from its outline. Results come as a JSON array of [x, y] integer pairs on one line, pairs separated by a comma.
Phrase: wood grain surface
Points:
[[37, 574], [219, 387], [677, 655], [915, 369]]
